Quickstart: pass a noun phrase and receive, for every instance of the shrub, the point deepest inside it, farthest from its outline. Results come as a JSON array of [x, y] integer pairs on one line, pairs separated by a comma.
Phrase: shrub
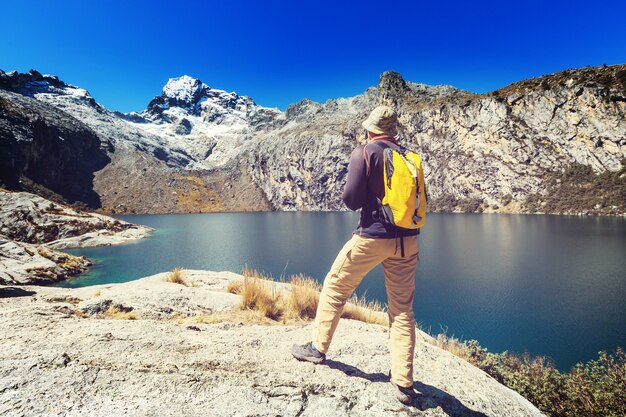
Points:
[[471, 205], [506, 199], [593, 389], [597, 388], [444, 203], [579, 190]]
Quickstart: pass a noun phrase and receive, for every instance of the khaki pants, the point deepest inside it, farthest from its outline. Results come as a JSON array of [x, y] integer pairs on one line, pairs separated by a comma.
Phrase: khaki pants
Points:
[[359, 256]]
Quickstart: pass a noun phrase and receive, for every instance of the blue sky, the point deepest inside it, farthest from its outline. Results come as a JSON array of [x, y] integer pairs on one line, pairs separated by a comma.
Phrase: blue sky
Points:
[[279, 52]]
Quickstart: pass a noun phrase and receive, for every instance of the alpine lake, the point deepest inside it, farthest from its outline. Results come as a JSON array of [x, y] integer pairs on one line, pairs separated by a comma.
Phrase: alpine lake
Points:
[[546, 285]]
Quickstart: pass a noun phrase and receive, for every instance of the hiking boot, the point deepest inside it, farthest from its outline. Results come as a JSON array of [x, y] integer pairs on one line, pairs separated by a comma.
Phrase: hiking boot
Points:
[[307, 352], [404, 395]]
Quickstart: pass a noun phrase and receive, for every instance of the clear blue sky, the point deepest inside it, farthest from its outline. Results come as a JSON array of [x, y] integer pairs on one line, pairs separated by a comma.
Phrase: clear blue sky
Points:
[[279, 52]]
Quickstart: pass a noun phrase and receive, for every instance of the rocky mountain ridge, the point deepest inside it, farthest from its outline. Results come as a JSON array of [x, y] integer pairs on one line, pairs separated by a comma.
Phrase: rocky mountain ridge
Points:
[[196, 148], [482, 152], [132, 171]]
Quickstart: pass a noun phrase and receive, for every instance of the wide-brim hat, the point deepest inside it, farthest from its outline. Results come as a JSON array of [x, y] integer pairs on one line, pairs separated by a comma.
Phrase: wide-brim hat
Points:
[[382, 120]]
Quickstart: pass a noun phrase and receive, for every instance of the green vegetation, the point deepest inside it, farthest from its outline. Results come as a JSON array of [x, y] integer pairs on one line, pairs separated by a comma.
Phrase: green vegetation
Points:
[[580, 190], [448, 203], [593, 389]]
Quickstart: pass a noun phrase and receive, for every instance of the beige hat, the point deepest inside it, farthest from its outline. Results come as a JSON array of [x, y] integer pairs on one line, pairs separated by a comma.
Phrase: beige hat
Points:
[[382, 119]]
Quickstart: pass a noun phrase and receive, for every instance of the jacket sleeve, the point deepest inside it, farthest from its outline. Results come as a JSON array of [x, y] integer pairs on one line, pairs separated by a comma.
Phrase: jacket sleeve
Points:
[[355, 190]]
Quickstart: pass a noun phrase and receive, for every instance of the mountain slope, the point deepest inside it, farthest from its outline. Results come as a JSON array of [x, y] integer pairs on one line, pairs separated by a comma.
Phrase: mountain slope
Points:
[[507, 144], [144, 172], [483, 152], [196, 148]]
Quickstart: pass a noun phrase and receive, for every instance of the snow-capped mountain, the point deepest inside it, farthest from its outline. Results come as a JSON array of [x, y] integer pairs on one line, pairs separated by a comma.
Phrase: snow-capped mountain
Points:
[[189, 97], [149, 168], [197, 148], [33, 83], [213, 125]]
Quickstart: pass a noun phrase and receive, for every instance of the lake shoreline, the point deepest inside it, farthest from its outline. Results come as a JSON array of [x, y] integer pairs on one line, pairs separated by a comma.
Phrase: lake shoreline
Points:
[[512, 282], [33, 231]]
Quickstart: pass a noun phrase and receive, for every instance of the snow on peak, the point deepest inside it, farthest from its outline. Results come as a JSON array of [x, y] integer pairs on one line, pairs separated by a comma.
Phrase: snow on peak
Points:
[[45, 87], [185, 89]]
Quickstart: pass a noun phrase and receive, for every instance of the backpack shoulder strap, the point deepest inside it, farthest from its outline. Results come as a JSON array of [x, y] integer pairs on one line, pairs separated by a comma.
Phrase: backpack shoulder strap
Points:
[[366, 156]]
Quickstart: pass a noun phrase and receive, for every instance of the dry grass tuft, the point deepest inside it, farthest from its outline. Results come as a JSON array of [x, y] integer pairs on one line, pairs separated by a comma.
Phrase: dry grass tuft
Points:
[[304, 295], [119, 312], [261, 293], [176, 276], [367, 311], [452, 345], [234, 287]]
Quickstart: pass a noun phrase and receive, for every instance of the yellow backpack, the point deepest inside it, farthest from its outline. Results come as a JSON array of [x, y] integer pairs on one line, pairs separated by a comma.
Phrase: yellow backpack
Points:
[[404, 203]]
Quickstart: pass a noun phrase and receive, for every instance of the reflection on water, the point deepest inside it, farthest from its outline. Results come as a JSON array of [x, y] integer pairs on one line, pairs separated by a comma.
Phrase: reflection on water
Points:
[[546, 284]]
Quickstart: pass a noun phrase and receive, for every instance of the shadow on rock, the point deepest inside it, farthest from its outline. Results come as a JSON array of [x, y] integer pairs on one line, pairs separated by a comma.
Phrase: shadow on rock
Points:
[[432, 397], [9, 292], [429, 397], [356, 372]]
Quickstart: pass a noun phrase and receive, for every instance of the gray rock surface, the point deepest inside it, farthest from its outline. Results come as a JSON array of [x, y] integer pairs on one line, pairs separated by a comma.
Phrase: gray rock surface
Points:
[[33, 229], [60, 360], [24, 263], [26, 217], [495, 149]]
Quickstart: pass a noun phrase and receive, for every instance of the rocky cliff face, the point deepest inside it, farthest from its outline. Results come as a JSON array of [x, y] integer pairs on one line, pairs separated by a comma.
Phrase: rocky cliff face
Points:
[[499, 148], [47, 150], [196, 148], [302, 163], [482, 152]]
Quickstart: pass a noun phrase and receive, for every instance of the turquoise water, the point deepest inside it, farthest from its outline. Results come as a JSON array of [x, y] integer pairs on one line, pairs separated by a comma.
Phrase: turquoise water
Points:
[[550, 285]]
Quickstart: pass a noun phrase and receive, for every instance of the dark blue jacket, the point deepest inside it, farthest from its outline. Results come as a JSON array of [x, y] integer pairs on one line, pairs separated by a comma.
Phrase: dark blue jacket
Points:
[[364, 184]]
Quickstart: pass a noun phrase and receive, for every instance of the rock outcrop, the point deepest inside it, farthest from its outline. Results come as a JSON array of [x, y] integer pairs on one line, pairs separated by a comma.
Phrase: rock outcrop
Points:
[[33, 229], [151, 347], [26, 217], [48, 151], [23, 263]]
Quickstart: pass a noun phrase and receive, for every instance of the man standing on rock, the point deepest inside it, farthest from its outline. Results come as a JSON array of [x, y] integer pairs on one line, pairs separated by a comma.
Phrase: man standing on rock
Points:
[[372, 243]]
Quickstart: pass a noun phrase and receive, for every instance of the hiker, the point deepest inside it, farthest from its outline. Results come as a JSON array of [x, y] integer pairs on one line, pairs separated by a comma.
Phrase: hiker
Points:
[[374, 241]]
